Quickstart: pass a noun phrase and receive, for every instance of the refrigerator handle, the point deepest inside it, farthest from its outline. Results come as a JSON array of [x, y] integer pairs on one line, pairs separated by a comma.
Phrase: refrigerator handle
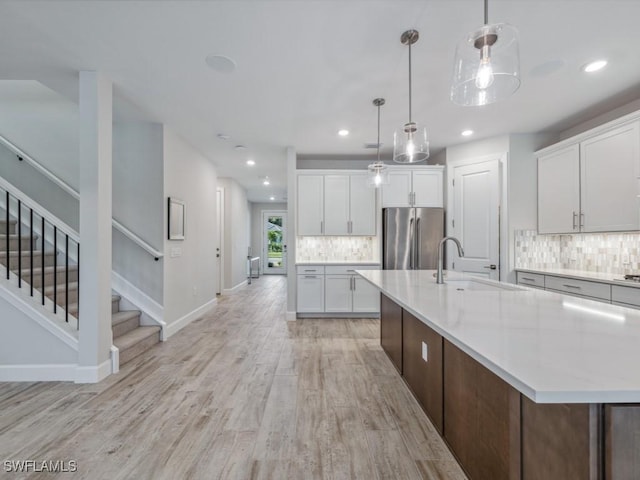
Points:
[[411, 243], [417, 247]]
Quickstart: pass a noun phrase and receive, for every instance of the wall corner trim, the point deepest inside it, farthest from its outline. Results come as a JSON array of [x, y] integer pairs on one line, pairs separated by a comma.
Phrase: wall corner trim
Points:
[[93, 374], [291, 317]]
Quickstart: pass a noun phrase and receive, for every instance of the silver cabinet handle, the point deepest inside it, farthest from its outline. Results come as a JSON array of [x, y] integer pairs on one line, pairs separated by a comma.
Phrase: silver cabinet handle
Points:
[[571, 286], [528, 279], [581, 219], [354, 283], [409, 198], [310, 276], [411, 244], [310, 270], [321, 226], [350, 270], [575, 218]]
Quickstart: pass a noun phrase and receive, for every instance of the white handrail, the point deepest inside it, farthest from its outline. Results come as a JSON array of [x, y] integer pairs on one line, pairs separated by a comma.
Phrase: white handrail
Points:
[[132, 236], [46, 172], [71, 191]]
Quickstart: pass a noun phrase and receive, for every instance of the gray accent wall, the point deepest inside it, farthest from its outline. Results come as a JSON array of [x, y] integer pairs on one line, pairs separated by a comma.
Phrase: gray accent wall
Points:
[[189, 264]]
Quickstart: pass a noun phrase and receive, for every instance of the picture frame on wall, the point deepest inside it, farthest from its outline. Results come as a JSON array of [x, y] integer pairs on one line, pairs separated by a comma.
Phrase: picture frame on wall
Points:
[[176, 221]]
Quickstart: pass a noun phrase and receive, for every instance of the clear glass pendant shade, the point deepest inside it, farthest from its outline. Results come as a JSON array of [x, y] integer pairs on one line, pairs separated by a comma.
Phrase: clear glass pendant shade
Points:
[[487, 66], [410, 144], [378, 175]]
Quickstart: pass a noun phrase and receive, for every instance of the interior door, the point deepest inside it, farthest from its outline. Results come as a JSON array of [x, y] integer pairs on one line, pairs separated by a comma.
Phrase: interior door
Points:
[[274, 235], [476, 219], [219, 237]]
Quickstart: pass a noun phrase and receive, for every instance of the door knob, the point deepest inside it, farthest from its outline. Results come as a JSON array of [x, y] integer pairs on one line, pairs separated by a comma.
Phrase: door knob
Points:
[[492, 267]]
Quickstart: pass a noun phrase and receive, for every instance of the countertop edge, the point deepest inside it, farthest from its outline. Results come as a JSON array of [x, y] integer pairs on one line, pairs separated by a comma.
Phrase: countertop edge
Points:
[[586, 276]]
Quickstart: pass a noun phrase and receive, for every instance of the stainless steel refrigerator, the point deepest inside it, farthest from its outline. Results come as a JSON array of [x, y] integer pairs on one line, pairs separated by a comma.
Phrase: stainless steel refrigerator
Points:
[[410, 238]]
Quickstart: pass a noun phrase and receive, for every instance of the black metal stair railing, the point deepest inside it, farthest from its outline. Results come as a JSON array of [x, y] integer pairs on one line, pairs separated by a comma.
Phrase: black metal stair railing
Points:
[[44, 243]]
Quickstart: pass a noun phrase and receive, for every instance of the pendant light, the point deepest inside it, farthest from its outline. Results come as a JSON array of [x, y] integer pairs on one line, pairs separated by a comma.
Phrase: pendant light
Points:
[[487, 64], [378, 171], [410, 143]]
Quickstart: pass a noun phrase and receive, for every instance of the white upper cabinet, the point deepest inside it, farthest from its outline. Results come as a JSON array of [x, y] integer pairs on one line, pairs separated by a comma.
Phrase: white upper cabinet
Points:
[[559, 191], [591, 185], [310, 205], [414, 187], [362, 205], [336, 204], [609, 169]]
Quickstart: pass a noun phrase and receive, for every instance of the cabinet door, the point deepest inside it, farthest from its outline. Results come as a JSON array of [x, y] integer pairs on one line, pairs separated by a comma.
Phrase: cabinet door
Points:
[[310, 204], [310, 293], [362, 206], [559, 191], [391, 330], [336, 204], [609, 169], [366, 297], [427, 188], [422, 366], [337, 297], [397, 192]]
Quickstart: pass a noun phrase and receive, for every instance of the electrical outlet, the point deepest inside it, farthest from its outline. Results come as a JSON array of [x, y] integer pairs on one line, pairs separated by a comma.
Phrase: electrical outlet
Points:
[[425, 352]]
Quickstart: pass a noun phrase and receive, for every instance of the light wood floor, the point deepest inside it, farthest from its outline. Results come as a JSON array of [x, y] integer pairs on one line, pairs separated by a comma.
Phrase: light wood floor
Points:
[[239, 394]]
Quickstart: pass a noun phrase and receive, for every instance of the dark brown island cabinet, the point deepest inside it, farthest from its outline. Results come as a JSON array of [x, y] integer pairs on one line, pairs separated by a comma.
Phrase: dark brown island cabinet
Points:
[[494, 431]]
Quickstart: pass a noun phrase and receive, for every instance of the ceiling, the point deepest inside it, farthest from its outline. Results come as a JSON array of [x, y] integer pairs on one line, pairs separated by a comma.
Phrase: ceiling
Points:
[[305, 69]]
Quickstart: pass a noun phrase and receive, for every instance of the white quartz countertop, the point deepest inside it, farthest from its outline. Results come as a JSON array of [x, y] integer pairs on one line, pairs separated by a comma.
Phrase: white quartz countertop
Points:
[[355, 262], [612, 278], [551, 347]]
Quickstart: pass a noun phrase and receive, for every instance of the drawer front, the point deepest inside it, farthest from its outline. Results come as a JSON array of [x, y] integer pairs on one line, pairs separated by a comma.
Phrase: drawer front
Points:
[[310, 270], [626, 295], [579, 287], [348, 269], [531, 279]]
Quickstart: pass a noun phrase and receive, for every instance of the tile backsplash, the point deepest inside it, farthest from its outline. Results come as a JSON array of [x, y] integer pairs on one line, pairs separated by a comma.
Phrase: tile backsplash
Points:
[[337, 249], [617, 253]]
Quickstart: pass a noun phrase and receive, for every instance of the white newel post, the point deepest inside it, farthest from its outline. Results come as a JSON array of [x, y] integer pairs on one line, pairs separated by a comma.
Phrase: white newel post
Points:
[[95, 132]]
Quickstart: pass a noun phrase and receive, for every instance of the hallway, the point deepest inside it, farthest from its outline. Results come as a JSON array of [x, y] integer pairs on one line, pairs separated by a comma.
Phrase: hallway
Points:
[[237, 394]]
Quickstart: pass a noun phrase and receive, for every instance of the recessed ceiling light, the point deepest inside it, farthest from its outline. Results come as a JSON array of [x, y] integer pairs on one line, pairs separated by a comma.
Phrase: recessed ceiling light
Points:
[[240, 147], [466, 133], [594, 66], [272, 198], [220, 63], [251, 163], [343, 132], [266, 181], [223, 136]]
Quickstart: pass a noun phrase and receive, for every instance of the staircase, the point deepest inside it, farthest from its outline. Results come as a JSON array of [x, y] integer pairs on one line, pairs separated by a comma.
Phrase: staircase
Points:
[[130, 338], [128, 335]]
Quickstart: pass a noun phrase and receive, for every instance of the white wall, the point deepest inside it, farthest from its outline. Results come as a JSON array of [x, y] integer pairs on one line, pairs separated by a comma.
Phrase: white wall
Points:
[[189, 277], [139, 203], [257, 226], [29, 343], [237, 233]]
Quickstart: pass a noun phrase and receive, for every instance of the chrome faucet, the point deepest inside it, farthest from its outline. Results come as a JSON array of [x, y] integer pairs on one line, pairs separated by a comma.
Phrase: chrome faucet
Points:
[[440, 245]]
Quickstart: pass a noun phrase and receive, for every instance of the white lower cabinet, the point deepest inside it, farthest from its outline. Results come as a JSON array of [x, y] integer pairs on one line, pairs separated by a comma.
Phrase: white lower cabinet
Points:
[[311, 293], [342, 290]]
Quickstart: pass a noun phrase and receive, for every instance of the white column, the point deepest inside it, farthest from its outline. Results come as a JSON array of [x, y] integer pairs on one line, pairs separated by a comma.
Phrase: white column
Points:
[[292, 196], [95, 131]]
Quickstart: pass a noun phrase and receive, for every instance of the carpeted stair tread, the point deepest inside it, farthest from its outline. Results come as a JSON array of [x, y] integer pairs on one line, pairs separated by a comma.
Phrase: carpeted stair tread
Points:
[[134, 337], [122, 316]]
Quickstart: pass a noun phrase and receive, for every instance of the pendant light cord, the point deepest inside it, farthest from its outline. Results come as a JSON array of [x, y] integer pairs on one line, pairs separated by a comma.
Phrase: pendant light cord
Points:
[[486, 12], [378, 144], [410, 80]]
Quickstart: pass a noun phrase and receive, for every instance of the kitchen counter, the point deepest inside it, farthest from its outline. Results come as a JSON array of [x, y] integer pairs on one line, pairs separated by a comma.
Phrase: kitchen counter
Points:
[[355, 262], [611, 278], [550, 347]]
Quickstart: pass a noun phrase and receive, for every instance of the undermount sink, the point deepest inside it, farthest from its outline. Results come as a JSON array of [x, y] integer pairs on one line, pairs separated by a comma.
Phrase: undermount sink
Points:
[[480, 286]]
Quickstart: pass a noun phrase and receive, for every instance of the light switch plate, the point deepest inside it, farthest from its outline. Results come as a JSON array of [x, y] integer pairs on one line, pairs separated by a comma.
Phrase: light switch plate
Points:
[[425, 352], [176, 252]]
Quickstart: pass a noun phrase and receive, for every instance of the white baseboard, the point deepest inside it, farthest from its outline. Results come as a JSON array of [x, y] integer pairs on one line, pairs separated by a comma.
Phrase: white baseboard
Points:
[[291, 317], [38, 373], [93, 374], [229, 291], [174, 327]]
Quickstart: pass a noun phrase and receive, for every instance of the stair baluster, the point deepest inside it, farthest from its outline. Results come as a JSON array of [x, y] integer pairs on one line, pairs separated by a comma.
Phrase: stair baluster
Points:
[[6, 204], [31, 252], [19, 244]]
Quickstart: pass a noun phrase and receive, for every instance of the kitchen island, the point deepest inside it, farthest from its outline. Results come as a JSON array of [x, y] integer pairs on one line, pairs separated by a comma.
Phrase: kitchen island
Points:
[[521, 383]]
